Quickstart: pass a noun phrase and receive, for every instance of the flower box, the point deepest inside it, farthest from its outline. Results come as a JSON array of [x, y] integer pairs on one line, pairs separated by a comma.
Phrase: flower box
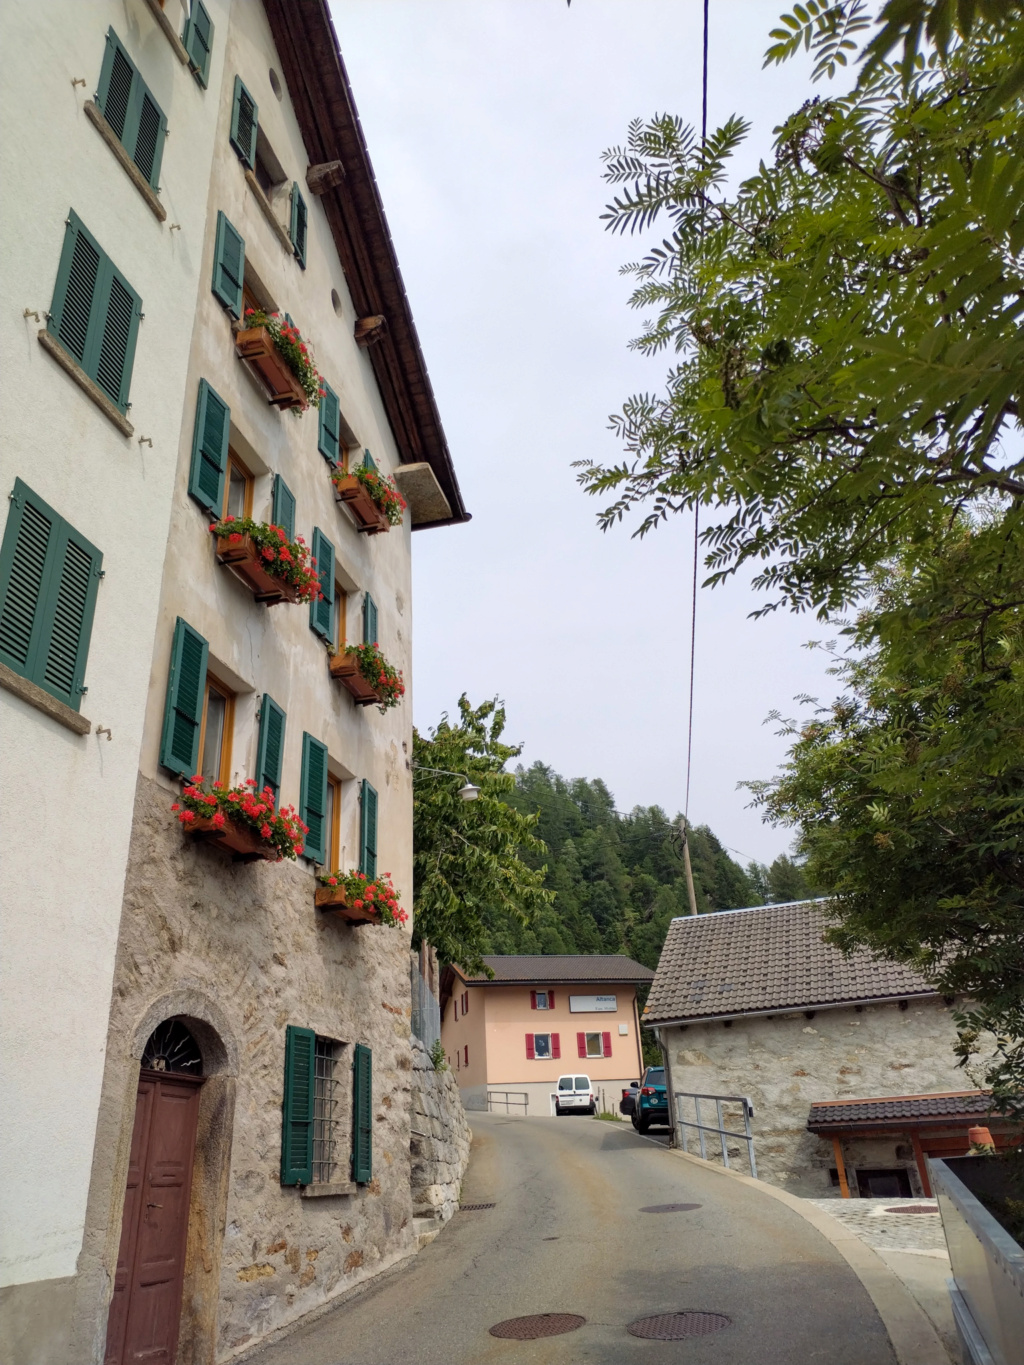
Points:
[[345, 669], [369, 518], [242, 557], [333, 900], [256, 346], [241, 839]]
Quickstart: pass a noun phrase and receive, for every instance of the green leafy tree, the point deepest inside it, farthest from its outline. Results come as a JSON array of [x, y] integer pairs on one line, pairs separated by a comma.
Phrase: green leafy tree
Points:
[[783, 881], [466, 854]]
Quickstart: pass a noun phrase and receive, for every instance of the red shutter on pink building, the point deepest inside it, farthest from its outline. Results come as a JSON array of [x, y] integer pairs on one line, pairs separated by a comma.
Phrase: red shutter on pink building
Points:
[[556, 1046], [606, 1041], [466, 1058], [581, 1044], [533, 1000], [551, 1000], [529, 1047]]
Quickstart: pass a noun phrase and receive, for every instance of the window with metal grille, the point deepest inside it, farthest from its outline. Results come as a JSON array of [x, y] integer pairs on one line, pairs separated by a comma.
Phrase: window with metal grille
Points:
[[326, 1111]]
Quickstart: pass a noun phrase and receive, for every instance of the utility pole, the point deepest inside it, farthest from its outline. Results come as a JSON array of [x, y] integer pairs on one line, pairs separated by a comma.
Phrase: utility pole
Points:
[[686, 862]]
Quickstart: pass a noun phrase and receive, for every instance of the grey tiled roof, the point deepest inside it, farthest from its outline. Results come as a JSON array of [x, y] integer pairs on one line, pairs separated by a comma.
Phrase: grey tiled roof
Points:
[[962, 1104], [594, 968], [771, 957]]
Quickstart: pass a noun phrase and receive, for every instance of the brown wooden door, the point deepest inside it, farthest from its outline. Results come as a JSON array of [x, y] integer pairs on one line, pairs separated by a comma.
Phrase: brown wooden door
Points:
[[146, 1307]]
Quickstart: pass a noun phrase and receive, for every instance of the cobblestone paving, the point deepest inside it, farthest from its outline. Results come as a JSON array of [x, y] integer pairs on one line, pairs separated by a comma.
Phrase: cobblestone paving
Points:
[[872, 1220]]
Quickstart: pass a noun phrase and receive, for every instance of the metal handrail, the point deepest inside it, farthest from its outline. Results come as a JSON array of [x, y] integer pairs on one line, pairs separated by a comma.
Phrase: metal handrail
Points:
[[508, 1097], [722, 1132]]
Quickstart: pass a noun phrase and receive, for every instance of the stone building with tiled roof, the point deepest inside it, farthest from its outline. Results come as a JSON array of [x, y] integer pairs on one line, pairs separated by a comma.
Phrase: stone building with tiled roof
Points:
[[756, 1003]]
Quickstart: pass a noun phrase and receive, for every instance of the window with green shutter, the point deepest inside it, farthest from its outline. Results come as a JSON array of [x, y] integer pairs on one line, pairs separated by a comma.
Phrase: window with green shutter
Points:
[[270, 754], [368, 830], [297, 1108], [321, 612], [210, 438], [197, 39], [313, 799], [329, 439], [244, 123], [370, 636], [183, 711], [127, 103], [362, 1114], [228, 265], [300, 224], [95, 312], [49, 575], [283, 511]]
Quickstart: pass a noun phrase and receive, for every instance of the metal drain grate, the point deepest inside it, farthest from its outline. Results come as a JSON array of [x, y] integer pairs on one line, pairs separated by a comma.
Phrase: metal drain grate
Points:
[[472, 1208], [537, 1325], [670, 1208], [676, 1326]]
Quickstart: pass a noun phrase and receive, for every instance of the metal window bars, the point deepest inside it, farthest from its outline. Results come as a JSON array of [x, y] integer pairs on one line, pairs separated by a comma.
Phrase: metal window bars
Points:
[[723, 1133], [507, 1098], [325, 1111]]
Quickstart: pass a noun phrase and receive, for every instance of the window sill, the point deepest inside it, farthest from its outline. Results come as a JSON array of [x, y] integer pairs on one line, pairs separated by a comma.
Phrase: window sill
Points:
[[134, 174], [88, 386], [326, 1191], [268, 212], [42, 700], [169, 31]]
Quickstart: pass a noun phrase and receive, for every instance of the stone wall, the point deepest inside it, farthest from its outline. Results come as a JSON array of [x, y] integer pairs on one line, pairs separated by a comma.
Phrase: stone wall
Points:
[[439, 1143]]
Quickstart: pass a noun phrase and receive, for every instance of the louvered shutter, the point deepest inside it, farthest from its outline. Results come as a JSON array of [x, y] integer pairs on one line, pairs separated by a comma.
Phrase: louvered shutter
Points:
[[120, 309], [530, 1052], [606, 1044], [368, 461], [129, 107], [183, 712], [556, 1047], [321, 612], [270, 753], [328, 440], [551, 1000], [369, 620], [210, 438], [228, 265], [244, 122], [362, 1115], [297, 1108], [313, 798], [66, 616], [197, 38], [533, 1000], [581, 1044], [300, 223], [284, 507], [75, 291], [368, 831]]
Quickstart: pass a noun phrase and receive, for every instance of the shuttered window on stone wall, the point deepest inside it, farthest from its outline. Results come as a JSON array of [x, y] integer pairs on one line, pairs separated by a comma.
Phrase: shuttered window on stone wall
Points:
[[183, 710], [297, 1107], [299, 224], [284, 507], [197, 38], [362, 1114], [210, 438], [270, 753], [228, 265], [313, 798], [321, 612], [127, 103], [49, 575], [368, 830], [329, 439], [95, 312], [244, 124]]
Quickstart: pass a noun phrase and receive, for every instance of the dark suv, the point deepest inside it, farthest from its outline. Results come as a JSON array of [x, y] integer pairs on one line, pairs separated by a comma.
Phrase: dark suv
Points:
[[646, 1101]]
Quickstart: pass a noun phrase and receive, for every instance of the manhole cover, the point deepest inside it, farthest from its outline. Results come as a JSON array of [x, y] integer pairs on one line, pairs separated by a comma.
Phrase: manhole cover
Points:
[[670, 1208], [472, 1208], [913, 1208], [537, 1325], [676, 1326]]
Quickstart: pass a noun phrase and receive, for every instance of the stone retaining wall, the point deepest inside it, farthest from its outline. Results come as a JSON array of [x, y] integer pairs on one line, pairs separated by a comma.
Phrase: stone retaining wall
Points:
[[439, 1143]]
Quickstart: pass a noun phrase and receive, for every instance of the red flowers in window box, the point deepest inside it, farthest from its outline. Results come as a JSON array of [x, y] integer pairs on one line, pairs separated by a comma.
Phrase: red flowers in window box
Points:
[[366, 484], [367, 675], [241, 819], [261, 555], [274, 347], [352, 896]]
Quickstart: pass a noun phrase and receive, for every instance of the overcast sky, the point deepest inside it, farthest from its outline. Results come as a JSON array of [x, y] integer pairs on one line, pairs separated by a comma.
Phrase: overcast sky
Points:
[[485, 121]]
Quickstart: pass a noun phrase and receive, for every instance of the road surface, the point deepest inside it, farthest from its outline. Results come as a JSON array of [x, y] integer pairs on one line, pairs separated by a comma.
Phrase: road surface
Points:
[[567, 1236]]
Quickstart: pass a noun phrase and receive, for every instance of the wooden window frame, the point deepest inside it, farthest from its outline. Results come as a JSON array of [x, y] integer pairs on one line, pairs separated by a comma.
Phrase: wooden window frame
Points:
[[227, 739], [334, 785], [236, 462], [340, 615]]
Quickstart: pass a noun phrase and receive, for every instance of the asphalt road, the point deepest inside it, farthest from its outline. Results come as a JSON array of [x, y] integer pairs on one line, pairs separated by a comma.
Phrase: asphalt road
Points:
[[567, 1236]]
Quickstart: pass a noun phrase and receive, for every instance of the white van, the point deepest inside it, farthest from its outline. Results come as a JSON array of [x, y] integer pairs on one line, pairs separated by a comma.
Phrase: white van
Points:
[[575, 1096]]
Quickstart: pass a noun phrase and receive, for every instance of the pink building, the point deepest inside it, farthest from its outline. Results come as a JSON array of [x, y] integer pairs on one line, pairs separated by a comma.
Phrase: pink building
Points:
[[541, 1017]]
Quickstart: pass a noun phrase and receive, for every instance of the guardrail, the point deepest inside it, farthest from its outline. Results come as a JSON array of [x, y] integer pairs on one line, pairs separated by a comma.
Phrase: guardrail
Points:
[[507, 1097], [723, 1133]]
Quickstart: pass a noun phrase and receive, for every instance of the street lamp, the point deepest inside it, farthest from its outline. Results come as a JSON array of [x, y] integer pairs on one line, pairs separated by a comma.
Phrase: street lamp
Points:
[[468, 793]]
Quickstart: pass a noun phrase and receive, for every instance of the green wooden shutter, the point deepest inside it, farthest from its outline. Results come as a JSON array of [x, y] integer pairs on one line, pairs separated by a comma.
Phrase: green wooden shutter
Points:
[[369, 620], [197, 38], [368, 461], [270, 755], [150, 137], [210, 438], [321, 612], [362, 1114], [127, 104], [228, 265], [244, 123], [297, 1109], [300, 224], [328, 441], [313, 800], [284, 507], [186, 690], [117, 337], [49, 575], [74, 294], [368, 831]]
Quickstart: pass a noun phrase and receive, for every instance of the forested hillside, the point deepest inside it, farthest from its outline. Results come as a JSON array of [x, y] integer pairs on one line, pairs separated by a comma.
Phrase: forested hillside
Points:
[[618, 879]]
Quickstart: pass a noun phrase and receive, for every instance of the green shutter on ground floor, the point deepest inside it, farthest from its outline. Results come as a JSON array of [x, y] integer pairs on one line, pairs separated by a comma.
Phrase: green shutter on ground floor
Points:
[[297, 1108], [186, 691], [362, 1115]]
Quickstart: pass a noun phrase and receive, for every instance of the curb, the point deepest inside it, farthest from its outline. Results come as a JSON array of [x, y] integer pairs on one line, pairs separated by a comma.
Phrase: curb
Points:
[[911, 1334]]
